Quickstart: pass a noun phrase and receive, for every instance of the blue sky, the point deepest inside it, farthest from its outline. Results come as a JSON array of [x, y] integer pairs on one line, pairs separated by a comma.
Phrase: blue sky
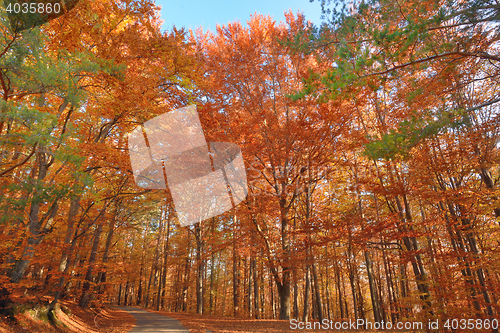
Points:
[[207, 14]]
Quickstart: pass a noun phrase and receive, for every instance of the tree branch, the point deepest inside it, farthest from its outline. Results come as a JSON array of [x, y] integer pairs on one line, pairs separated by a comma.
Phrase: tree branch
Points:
[[480, 54], [21, 163]]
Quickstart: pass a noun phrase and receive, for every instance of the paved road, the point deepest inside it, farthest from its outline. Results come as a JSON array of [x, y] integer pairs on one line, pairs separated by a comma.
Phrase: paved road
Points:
[[152, 322]]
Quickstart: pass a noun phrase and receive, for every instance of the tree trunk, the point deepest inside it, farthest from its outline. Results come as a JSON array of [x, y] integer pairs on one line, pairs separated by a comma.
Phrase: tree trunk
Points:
[[236, 277], [373, 289], [249, 288], [273, 303], [255, 290], [120, 294], [327, 289], [353, 291], [200, 268], [69, 245], [339, 291], [85, 299], [125, 300], [161, 267], [284, 287], [185, 283], [155, 266], [305, 313], [142, 270], [295, 297], [36, 232], [165, 262], [101, 277], [212, 277], [319, 304]]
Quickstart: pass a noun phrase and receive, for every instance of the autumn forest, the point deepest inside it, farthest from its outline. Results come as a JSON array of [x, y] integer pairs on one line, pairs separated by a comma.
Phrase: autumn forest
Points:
[[371, 147]]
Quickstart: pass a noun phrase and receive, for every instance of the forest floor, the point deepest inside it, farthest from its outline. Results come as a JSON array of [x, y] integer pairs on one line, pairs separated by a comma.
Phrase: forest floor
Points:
[[211, 323], [30, 317], [111, 320]]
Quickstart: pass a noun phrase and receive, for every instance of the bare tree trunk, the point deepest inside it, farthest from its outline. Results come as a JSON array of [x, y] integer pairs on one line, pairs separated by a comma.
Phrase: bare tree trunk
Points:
[[339, 291], [353, 292], [236, 277], [319, 304], [85, 299], [262, 291], [327, 286], [361, 302], [273, 303], [125, 301], [101, 277], [175, 292], [212, 277], [165, 262], [248, 280], [155, 265], [142, 271], [373, 289], [305, 313], [185, 284], [295, 296], [161, 268], [120, 294], [255, 289], [284, 286], [35, 225], [68, 249], [200, 268], [139, 291], [411, 245], [224, 293]]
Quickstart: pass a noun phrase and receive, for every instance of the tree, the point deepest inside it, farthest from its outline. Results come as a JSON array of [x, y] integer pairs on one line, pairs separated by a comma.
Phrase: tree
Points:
[[249, 76]]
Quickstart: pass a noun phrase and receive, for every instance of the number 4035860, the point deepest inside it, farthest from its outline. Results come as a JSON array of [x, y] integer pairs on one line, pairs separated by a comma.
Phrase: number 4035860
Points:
[[40, 8], [471, 324]]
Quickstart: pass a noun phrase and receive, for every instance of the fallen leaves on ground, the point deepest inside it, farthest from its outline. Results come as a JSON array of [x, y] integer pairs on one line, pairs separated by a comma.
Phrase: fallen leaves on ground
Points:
[[71, 319], [211, 323]]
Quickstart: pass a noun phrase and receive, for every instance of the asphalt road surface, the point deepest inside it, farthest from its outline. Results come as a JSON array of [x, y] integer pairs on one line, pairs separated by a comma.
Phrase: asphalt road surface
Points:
[[152, 322]]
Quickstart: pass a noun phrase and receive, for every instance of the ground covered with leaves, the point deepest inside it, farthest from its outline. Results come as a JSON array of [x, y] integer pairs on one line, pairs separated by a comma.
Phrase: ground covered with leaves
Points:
[[211, 323], [30, 315]]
